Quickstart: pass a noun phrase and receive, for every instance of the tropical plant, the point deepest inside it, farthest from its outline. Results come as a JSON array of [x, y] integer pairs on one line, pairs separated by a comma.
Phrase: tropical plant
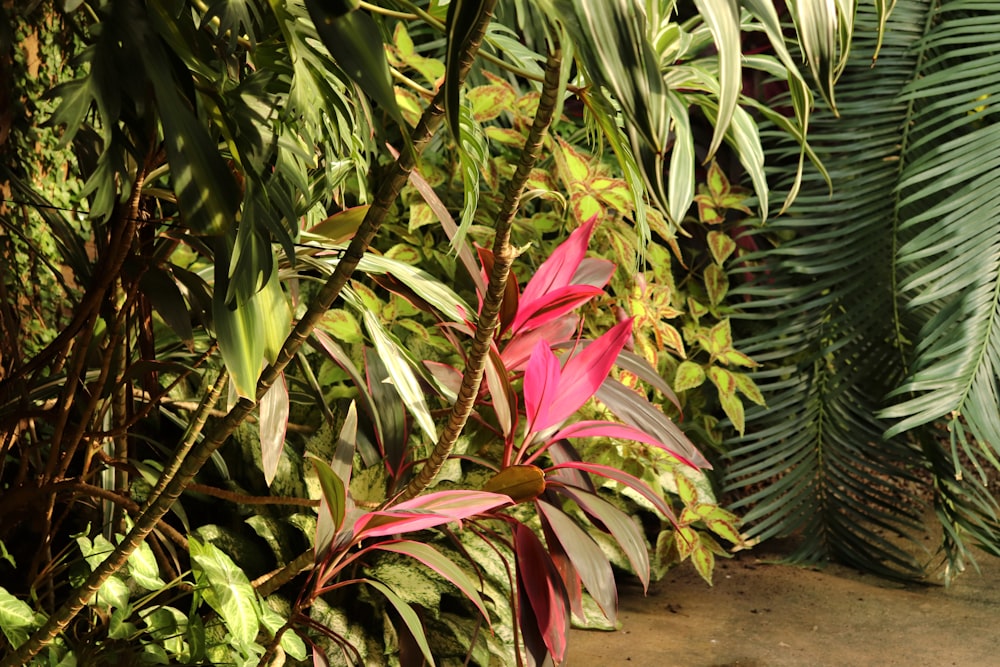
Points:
[[231, 181], [872, 309]]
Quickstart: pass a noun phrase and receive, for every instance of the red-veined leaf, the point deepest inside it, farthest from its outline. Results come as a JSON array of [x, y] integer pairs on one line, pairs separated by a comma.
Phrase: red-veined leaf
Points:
[[620, 525], [427, 511], [546, 594], [444, 566], [273, 422], [625, 478], [590, 563]]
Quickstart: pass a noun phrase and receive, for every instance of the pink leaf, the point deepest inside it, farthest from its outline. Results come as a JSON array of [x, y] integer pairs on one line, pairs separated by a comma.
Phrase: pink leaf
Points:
[[623, 477], [583, 374], [602, 429], [427, 511], [557, 271], [546, 594], [541, 384], [517, 351], [594, 271], [555, 304]]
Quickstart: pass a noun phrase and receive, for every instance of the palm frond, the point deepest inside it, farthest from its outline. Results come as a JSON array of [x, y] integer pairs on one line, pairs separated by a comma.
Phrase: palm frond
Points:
[[820, 306]]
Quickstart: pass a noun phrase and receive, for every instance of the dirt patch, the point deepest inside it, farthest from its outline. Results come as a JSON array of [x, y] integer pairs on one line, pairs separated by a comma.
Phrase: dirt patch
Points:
[[760, 614]]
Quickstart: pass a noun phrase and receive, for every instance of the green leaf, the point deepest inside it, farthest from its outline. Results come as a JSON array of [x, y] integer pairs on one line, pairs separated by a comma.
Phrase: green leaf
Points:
[[721, 246], [723, 20], [333, 508], [144, 569], [704, 563], [238, 328], [463, 15], [409, 617], [733, 407], [403, 377], [355, 42], [167, 626], [226, 589], [166, 299], [473, 156], [716, 284], [17, 620], [689, 375]]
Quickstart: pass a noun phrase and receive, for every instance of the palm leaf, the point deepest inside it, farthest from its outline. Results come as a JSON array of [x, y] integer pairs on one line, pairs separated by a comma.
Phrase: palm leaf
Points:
[[815, 460]]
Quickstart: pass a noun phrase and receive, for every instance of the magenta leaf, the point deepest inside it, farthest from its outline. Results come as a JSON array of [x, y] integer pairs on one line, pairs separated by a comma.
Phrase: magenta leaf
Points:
[[444, 566], [584, 373], [554, 332], [427, 511], [541, 386], [544, 589], [558, 270], [621, 526], [595, 429], [625, 478], [552, 305], [590, 563]]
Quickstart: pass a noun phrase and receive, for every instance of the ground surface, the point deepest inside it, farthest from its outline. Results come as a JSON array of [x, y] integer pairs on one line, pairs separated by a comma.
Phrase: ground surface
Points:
[[766, 615]]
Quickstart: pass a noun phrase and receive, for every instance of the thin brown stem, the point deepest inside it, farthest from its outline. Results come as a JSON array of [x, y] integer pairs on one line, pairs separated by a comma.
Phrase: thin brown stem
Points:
[[503, 256]]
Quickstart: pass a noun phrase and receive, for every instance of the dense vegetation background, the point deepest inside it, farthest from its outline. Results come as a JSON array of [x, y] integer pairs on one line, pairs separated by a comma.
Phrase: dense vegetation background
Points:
[[364, 333]]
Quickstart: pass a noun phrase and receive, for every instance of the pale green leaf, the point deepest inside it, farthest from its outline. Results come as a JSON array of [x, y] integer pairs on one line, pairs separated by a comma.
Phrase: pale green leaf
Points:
[[226, 589]]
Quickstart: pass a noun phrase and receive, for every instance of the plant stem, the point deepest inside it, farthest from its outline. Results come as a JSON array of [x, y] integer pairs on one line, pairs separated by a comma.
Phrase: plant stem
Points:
[[503, 257], [172, 486]]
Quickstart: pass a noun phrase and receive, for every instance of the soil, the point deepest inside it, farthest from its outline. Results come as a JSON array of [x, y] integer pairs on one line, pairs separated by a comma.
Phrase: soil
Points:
[[762, 614]]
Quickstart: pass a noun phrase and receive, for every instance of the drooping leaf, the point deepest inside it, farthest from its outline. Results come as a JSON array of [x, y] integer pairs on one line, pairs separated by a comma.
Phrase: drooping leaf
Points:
[[462, 17], [435, 560], [355, 42], [273, 423], [410, 618], [332, 509], [590, 562], [625, 478], [544, 588], [433, 509], [605, 429]]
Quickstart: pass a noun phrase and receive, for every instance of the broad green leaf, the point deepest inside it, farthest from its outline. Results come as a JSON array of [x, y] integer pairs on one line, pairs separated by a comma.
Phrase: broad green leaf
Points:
[[166, 299], [226, 589], [409, 617], [144, 569], [689, 375], [749, 388], [704, 563], [275, 315], [273, 422], [290, 642], [17, 620], [733, 407], [724, 380], [168, 625], [686, 490], [341, 227], [238, 328]]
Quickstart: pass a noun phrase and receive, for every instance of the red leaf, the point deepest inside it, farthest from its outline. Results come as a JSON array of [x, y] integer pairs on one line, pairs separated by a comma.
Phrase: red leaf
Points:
[[595, 429], [555, 304], [595, 272], [545, 590], [517, 351]]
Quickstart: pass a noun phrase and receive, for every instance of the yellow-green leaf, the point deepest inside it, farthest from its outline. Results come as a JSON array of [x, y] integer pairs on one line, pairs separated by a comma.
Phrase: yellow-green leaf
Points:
[[716, 284], [521, 482], [749, 389], [689, 375], [721, 246], [724, 381]]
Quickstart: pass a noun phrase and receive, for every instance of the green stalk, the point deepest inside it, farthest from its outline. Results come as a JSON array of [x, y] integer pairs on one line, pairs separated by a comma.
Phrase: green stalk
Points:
[[174, 485], [503, 256]]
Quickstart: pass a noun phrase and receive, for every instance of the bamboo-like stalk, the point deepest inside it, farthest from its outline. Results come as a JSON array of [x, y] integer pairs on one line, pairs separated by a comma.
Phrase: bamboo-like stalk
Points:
[[503, 256], [173, 486]]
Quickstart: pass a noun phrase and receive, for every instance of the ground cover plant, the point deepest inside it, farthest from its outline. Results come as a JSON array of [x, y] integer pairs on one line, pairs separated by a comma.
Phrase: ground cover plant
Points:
[[364, 333]]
